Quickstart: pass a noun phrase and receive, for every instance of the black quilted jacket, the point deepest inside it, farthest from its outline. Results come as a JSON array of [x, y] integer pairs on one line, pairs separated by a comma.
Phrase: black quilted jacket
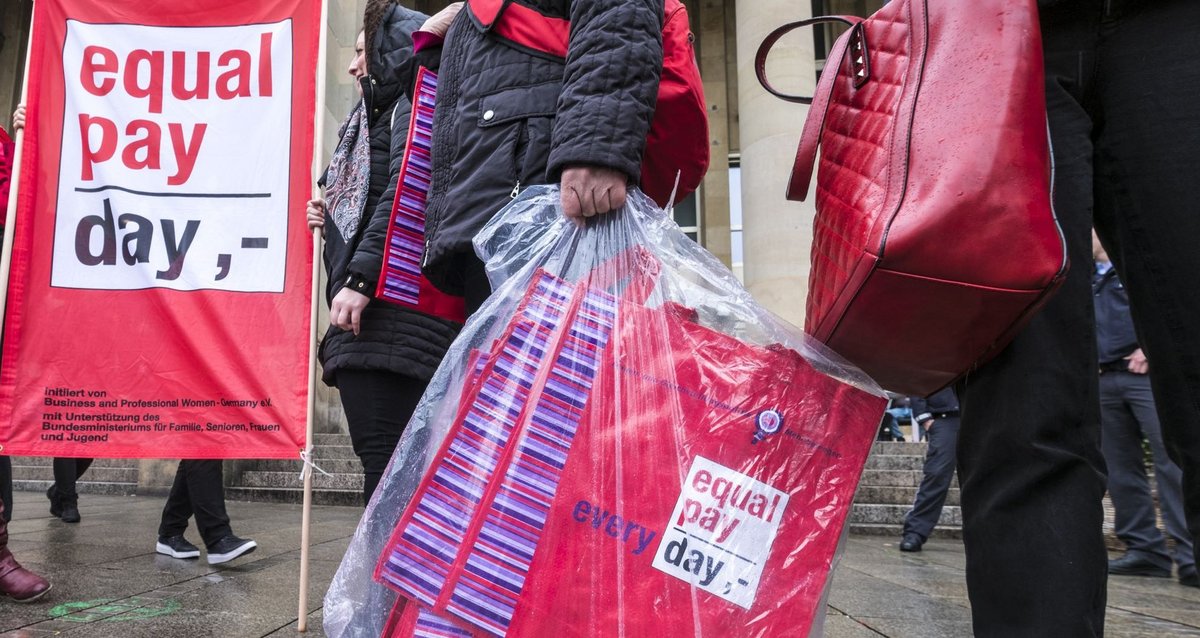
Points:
[[508, 118], [392, 338]]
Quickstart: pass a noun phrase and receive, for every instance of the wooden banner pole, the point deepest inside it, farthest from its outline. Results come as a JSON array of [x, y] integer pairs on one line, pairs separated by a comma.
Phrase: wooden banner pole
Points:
[[317, 163]]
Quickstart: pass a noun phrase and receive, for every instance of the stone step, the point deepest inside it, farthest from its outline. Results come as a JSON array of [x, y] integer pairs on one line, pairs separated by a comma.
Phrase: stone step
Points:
[[892, 478], [330, 439], [896, 531], [895, 462], [291, 480], [884, 495], [894, 514], [287, 495], [333, 452], [333, 466], [884, 448], [82, 487], [45, 461], [93, 475]]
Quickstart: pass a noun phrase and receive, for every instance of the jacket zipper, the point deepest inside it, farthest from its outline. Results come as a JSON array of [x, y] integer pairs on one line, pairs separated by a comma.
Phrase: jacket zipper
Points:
[[522, 132], [433, 221]]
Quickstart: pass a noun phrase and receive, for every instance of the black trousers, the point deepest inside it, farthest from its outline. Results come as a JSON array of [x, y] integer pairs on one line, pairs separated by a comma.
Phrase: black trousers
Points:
[[198, 491], [66, 472], [938, 475], [1122, 93], [378, 404]]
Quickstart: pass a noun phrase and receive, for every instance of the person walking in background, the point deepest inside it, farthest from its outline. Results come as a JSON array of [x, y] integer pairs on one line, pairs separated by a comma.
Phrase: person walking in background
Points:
[[1127, 415], [379, 355], [938, 417], [199, 491], [64, 499]]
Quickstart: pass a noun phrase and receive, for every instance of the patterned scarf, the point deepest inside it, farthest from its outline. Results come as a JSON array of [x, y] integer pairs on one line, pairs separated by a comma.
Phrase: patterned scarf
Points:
[[349, 176]]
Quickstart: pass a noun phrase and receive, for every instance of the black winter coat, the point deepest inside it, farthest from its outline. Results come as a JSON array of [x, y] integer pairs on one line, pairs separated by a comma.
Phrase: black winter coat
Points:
[[391, 338], [508, 117]]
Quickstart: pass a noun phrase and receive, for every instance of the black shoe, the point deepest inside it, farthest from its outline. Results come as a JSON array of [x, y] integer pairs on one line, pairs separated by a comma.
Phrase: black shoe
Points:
[[55, 505], [911, 543], [1188, 577], [70, 513], [176, 547], [1133, 565], [229, 548]]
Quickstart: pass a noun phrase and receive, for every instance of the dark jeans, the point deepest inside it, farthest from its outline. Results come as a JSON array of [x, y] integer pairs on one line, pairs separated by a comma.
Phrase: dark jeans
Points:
[[1122, 94], [378, 405], [198, 490], [1127, 414], [938, 475], [66, 472]]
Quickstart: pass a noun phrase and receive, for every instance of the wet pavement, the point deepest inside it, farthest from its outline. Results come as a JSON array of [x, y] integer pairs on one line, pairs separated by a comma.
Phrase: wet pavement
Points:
[[109, 582]]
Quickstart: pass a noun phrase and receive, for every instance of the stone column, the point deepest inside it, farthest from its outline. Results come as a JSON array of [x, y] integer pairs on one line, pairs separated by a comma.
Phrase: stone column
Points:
[[777, 233], [709, 27]]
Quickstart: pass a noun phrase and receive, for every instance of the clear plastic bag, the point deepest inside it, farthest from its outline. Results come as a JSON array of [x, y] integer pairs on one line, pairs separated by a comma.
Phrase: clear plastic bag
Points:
[[620, 442]]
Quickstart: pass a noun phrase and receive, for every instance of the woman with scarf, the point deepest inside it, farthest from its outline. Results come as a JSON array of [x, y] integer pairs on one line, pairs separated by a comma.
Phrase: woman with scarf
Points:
[[379, 355]]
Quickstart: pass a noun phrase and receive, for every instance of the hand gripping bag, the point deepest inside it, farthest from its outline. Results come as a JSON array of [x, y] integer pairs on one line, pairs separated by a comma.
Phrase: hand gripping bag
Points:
[[934, 239], [622, 440]]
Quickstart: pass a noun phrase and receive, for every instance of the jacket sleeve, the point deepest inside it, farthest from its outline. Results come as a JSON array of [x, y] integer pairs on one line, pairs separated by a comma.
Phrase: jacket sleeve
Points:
[[610, 85], [368, 256]]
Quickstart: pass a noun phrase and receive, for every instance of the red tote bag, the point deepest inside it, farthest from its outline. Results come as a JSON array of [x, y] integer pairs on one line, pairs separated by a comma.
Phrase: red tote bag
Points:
[[702, 491], [934, 239]]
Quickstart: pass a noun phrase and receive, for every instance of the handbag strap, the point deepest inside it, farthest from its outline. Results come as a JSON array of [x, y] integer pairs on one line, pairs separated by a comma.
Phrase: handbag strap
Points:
[[806, 154]]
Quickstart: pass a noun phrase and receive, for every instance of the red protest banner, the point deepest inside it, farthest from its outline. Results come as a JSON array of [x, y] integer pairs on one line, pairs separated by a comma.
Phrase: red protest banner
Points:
[[159, 295]]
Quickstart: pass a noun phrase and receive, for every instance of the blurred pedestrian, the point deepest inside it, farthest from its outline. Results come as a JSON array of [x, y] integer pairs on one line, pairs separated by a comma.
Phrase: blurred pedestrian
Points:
[[64, 499], [199, 491], [1127, 417], [938, 417]]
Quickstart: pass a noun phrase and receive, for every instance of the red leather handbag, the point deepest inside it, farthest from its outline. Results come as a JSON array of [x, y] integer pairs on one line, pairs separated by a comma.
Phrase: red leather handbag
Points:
[[934, 240]]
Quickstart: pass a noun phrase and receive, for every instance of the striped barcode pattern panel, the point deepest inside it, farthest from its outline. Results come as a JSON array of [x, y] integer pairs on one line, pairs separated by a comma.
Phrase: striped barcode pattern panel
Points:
[[479, 476], [486, 595], [406, 234], [430, 625]]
